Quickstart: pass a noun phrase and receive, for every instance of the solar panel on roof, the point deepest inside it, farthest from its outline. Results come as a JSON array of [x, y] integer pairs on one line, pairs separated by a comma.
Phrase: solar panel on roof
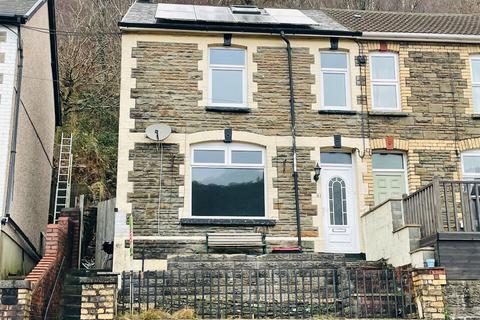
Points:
[[175, 12], [211, 13], [254, 18], [185, 12], [290, 16]]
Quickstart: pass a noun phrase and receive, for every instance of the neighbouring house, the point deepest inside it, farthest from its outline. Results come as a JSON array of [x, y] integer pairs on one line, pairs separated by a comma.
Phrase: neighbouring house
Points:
[[334, 130], [29, 113]]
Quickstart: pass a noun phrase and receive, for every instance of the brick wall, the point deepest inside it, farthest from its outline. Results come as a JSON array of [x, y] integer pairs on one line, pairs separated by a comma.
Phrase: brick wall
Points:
[[54, 263], [61, 253], [74, 215]]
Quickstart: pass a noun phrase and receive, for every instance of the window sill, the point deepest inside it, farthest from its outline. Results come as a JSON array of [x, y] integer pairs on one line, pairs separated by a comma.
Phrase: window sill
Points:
[[388, 113], [228, 109], [333, 111], [476, 116], [228, 222]]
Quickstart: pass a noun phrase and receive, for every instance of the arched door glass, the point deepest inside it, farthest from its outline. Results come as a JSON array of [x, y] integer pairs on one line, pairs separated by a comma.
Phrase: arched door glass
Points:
[[337, 201]]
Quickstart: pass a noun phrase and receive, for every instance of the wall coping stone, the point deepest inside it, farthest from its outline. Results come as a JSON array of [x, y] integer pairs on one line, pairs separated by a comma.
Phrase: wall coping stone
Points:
[[228, 222], [15, 284], [381, 204], [407, 226], [100, 278]]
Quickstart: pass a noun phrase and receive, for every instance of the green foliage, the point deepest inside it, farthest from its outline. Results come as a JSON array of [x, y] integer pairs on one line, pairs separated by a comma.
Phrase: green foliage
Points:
[[94, 126], [156, 314]]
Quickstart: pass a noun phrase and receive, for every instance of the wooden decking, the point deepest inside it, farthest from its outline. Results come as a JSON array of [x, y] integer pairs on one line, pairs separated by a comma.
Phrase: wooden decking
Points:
[[448, 212]]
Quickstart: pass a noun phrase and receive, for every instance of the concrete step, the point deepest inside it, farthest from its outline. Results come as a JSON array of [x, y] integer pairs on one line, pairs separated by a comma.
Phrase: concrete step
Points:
[[71, 299]]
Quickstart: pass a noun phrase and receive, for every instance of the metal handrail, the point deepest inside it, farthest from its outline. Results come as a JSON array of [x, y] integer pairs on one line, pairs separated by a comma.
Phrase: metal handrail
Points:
[[53, 289]]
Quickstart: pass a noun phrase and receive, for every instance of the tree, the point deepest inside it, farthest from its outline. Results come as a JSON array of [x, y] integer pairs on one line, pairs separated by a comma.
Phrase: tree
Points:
[[89, 58], [89, 55]]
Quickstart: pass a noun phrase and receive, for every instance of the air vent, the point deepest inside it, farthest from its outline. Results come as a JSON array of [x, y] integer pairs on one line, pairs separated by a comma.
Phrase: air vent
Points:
[[239, 9]]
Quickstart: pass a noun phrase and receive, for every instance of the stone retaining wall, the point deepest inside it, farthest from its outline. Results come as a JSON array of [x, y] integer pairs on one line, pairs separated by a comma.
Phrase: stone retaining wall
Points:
[[15, 299], [99, 296], [463, 299], [429, 285]]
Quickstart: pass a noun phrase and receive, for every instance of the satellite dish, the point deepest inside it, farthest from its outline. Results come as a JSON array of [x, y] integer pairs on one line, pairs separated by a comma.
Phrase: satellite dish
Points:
[[158, 132]]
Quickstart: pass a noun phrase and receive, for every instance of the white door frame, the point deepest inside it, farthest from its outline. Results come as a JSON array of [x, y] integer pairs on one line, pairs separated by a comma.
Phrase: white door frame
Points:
[[347, 240]]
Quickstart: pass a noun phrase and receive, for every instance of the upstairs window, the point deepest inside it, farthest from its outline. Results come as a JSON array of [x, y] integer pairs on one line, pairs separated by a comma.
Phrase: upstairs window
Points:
[[227, 74], [228, 180], [475, 68], [334, 79], [384, 81]]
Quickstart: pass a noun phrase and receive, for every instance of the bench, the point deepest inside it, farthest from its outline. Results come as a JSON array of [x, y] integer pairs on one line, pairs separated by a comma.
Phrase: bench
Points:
[[236, 240]]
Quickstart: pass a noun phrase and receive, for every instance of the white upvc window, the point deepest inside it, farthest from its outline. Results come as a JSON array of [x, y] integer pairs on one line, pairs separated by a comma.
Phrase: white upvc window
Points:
[[475, 72], [334, 80], [227, 77], [471, 165], [228, 181], [384, 79]]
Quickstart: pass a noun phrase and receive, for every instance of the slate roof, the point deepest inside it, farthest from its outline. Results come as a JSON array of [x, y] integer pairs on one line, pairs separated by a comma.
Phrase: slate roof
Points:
[[384, 21], [353, 21], [143, 13], [18, 8]]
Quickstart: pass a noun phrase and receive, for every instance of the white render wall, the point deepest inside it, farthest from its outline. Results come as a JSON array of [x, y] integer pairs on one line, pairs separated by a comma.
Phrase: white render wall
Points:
[[8, 70]]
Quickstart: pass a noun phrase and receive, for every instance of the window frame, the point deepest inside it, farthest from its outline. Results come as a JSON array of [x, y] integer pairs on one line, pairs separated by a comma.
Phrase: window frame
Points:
[[474, 57], [344, 71], [465, 175], [404, 159], [227, 67], [379, 82], [228, 148]]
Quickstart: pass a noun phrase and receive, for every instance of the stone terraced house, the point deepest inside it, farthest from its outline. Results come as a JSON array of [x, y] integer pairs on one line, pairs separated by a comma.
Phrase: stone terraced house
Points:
[[306, 125]]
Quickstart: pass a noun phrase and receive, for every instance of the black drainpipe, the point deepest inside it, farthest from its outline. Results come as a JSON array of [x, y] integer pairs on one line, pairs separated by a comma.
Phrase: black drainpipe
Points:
[[294, 138]]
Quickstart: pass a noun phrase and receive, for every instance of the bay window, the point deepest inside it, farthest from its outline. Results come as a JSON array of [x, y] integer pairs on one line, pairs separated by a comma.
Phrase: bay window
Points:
[[227, 74], [228, 180]]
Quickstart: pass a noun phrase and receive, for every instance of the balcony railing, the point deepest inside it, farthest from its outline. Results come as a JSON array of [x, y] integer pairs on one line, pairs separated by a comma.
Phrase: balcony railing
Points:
[[444, 206]]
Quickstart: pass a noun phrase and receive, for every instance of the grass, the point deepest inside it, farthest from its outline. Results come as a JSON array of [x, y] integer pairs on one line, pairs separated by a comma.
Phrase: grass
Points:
[[156, 314]]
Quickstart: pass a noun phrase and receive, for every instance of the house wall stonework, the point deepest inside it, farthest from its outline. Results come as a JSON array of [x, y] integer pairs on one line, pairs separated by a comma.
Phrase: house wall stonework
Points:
[[164, 80], [462, 299]]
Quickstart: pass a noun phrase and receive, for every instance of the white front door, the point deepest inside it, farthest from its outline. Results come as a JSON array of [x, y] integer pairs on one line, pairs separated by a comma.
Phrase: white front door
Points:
[[339, 208]]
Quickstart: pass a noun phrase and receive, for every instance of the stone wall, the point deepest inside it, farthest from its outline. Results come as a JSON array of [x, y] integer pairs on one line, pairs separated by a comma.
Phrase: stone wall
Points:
[[462, 299], [429, 286], [99, 296], [168, 85], [15, 299]]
